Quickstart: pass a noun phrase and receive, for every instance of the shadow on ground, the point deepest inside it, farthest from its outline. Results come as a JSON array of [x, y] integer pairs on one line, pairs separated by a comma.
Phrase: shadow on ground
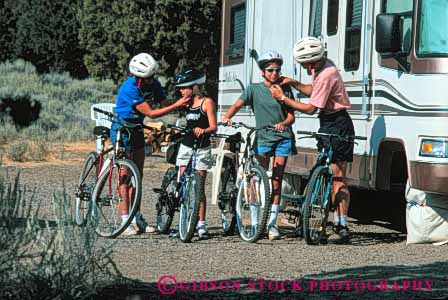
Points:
[[375, 282]]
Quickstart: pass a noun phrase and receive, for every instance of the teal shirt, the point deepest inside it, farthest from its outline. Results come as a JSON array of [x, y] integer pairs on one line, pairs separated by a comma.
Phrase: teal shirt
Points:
[[268, 111]]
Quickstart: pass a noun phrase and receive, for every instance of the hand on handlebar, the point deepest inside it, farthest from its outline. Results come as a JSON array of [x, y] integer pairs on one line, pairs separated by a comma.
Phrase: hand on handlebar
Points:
[[279, 127], [198, 131], [226, 122]]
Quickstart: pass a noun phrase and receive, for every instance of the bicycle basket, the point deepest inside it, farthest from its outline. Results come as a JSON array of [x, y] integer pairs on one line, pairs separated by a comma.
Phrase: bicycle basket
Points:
[[171, 153]]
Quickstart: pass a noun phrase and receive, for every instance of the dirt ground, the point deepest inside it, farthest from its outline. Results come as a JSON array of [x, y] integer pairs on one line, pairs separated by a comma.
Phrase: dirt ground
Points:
[[376, 251]]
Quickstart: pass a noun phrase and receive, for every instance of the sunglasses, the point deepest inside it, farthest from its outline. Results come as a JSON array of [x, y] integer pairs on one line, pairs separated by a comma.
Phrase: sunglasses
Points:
[[272, 70]]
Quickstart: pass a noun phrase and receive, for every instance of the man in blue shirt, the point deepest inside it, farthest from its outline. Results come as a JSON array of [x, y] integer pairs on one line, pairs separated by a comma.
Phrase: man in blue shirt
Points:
[[133, 104]]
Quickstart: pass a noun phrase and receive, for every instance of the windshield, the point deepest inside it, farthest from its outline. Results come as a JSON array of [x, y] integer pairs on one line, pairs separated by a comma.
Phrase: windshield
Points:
[[433, 28]]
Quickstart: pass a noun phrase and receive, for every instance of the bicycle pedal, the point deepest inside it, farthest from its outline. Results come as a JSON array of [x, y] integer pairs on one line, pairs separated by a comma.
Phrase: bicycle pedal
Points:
[[157, 190]]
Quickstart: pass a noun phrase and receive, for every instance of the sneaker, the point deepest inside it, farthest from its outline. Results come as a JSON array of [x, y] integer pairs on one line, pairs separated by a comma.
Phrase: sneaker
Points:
[[131, 230], [344, 234], [202, 232], [143, 226], [273, 233]]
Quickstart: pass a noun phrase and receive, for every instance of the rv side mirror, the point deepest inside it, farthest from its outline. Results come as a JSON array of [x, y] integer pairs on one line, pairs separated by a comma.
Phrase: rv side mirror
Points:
[[388, 33]]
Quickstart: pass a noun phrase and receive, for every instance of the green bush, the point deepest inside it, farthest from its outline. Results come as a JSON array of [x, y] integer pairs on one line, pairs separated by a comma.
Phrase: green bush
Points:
[[65, 103], [48, 259]]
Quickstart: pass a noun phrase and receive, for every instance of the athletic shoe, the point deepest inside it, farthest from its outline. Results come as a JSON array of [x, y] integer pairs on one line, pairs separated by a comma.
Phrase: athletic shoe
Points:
[[143, 226], [344, 234], [202, 232], [273, 233], [131, 230]]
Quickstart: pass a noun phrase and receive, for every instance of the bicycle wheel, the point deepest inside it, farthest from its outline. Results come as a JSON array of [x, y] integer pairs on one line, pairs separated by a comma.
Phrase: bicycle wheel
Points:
[[118, 182], [165, 204], [253, 204], [317, 205], [227, 197], [84, 189], [189, 207]]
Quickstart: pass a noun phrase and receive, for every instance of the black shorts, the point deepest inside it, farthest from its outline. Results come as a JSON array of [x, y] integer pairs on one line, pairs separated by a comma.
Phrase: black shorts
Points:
[[337, 123]]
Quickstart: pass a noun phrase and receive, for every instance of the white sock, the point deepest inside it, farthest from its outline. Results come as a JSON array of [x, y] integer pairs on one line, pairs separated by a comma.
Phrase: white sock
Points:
[[343, 220], [335, 217], [273, 216], [124, 218], [201, 223], [254, 214]]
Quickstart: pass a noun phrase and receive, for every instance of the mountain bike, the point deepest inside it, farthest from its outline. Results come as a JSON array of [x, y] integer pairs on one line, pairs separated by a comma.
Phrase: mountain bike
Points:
[[317, 202], [180, 193], [247, 192], [107, 179]]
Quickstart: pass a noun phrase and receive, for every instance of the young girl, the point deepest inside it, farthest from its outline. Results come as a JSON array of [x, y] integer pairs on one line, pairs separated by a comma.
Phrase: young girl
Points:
[[201, 119], [278, 144]]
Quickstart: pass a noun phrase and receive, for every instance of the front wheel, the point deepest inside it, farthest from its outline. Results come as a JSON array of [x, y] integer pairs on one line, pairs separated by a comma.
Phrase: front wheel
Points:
[[253, 204], [119, 186], [165, 205], [84, 189], [317, 205], [227, 197], [189, 207]]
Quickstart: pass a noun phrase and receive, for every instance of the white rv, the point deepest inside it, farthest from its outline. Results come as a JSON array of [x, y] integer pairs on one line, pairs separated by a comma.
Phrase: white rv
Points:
[[393, 57]]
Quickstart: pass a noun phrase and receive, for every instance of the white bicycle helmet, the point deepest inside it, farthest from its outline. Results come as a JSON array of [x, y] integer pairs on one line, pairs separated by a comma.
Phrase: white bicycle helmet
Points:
[[143, 65], [268, 57], [308, 49]]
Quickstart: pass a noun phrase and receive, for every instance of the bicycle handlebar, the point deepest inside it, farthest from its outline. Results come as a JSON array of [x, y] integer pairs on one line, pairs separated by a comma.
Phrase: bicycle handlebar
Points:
[[346, 138], [240, 124], [121, 121], [186, 130]]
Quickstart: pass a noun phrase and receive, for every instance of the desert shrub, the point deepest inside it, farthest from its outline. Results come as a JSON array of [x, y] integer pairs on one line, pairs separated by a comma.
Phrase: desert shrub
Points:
[[48, 259]]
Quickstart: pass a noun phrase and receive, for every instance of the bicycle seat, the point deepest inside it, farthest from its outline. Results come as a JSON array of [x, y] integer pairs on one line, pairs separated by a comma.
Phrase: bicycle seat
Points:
[[102, 131], [235, 138]]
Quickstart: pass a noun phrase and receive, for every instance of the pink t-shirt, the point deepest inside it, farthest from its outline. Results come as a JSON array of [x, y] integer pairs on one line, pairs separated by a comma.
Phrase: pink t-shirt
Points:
[[329, 93]]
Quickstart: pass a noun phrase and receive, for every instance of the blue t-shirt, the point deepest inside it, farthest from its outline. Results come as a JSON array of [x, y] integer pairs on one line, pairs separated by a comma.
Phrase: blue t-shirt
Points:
[[130, 95]]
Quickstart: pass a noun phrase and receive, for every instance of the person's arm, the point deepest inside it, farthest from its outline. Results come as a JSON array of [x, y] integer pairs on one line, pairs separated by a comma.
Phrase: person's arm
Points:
[[305, 89], [145, 109], [209, 108], [290, 119], [233, 110], [279, 95]]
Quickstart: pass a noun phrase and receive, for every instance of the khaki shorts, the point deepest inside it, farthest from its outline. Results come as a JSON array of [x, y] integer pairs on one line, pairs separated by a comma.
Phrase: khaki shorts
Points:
[[203, 157]]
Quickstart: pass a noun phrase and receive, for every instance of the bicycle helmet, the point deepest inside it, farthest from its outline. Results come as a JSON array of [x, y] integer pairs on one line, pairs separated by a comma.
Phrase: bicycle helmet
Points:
[[308, 49], [143, 65], [189, 77], [268, 57]]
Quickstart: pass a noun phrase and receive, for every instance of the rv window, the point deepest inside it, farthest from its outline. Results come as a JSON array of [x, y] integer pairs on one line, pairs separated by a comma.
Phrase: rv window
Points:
[[353, 35], [433, 29], [234, 32], [332, 17], [315, 28]]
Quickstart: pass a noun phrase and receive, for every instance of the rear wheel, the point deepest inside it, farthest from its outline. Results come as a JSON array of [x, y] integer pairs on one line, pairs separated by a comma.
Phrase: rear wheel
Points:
[[189, 207], [253, 204], [317, 205], [165, 204], [227, 197], [116, 184], [84, 190]]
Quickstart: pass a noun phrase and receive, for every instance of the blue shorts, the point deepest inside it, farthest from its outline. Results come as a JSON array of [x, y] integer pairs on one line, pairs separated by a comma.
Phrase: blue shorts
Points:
[[130, 139], [279, 148]]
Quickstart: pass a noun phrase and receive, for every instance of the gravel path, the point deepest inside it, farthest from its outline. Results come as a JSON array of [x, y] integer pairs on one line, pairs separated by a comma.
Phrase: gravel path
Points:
[[375, 253]]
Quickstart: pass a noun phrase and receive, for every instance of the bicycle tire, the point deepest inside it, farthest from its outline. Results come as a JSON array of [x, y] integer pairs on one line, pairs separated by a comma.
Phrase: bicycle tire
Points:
[[315, 205], [227, 197], [165, 207], [189, 207], [84, 189], [249, 231], [106, 198]]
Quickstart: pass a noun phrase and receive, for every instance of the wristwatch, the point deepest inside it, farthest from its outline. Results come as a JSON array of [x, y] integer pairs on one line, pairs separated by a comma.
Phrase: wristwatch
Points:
[[282, 99]]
